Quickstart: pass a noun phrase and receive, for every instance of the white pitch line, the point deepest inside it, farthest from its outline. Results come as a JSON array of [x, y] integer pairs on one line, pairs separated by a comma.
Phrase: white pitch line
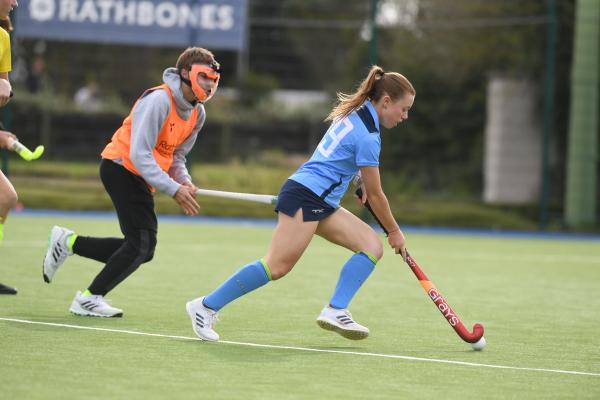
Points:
[[270, 346]]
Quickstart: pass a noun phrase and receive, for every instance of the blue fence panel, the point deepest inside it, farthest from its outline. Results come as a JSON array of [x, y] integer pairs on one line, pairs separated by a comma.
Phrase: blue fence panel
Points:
[[216, 24]]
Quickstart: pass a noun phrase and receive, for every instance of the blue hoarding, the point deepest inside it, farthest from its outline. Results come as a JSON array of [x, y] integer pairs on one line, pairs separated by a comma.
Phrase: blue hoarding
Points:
[[215, 24]]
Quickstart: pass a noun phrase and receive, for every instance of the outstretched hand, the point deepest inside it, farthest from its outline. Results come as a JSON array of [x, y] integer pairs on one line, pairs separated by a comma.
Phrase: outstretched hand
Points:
[[185, 197], [5, 137]]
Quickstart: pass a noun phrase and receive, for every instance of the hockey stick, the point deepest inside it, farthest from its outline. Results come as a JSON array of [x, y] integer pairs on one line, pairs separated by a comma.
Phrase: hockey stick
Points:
[[476, 338], [257, 198], [23, 151]]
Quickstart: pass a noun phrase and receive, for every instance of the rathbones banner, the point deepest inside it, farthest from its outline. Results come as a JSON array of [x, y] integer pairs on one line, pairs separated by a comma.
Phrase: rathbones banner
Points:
[[215, 24]]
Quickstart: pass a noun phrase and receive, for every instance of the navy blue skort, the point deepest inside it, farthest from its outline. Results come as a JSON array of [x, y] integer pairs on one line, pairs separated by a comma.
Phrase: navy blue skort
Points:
[[294, 196]]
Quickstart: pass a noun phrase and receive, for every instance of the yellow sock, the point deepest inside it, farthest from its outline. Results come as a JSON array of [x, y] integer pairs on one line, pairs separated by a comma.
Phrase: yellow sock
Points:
[[71, 241], [86, 293]]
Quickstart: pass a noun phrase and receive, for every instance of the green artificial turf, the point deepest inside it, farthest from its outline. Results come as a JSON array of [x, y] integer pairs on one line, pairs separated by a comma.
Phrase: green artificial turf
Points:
[[538, 300]]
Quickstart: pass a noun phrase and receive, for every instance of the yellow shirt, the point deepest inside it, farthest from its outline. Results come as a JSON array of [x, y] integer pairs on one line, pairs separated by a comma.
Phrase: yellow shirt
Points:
[[5, 61]]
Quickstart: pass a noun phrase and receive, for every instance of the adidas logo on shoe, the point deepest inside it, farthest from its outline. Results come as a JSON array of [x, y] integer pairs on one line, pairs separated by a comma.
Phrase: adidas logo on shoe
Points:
[[341, 321]]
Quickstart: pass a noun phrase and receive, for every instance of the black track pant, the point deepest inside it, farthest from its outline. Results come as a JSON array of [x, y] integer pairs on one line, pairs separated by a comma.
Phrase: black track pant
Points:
[[134, 204]]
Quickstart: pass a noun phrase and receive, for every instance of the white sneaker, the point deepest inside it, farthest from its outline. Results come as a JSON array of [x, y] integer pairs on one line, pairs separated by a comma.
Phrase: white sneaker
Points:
[[93, 306], [341, 321], [203, 319], [57, 252]]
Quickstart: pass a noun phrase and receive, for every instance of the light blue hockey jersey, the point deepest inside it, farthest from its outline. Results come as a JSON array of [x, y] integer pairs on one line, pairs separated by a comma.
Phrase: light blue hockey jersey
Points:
[[348, 144]]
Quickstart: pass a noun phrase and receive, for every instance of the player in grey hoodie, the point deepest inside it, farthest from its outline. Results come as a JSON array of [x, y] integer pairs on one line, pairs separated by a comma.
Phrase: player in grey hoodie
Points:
[[146, 153]]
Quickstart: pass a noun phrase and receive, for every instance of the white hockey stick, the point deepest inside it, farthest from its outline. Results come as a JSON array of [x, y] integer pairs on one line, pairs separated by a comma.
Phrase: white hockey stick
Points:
[[257, 198]]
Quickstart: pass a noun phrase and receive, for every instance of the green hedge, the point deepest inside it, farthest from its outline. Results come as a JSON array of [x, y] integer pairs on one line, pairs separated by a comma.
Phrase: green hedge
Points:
[[76, 186]]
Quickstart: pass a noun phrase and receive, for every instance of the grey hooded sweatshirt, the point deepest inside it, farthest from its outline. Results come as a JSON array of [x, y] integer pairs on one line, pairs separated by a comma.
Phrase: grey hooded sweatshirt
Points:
[[147, 120]]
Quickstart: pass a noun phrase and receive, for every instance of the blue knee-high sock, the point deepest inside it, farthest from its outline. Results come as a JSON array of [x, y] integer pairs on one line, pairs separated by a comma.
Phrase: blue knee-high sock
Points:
[[353, 274], [248, 278]]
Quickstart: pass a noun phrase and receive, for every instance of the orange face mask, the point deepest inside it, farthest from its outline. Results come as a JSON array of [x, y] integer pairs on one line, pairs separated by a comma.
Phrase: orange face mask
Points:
[[209, 72]]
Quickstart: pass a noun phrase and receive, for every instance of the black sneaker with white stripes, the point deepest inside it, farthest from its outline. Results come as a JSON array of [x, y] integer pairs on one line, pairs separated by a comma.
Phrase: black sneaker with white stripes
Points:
[[340, 321]]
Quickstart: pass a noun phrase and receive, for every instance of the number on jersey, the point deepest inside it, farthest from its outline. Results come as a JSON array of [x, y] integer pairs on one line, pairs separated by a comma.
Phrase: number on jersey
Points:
[[334, 136]]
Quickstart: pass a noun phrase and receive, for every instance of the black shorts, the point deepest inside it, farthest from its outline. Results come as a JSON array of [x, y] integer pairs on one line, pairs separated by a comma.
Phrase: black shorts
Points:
[[294, 196]]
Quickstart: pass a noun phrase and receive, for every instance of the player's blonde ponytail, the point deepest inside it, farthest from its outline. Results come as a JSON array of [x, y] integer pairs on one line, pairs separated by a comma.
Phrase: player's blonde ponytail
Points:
[[377, 84]]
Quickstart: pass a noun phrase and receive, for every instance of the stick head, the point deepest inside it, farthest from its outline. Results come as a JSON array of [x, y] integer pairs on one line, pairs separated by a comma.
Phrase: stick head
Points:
[[37, 153], [24, 152], [477, 333]]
